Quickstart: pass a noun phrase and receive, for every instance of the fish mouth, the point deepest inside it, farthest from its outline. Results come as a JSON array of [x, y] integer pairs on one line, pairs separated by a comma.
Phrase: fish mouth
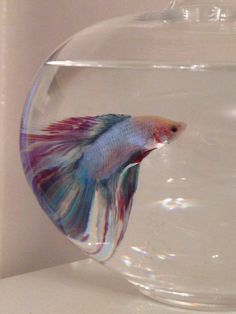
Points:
[[182, 126]]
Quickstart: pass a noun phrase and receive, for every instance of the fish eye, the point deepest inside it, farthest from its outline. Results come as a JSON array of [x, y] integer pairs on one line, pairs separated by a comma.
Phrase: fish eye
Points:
[[174, 129]]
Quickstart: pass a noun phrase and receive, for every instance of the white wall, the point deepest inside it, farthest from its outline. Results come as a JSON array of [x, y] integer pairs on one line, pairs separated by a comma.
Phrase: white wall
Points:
[[29, 31]]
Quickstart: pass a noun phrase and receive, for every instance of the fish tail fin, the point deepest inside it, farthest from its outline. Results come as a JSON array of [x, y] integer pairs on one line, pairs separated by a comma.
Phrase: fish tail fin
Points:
[[51, 159], [67, 199]]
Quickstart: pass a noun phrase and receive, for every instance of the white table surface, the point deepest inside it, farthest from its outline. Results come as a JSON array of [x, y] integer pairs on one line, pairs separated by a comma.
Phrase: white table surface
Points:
[[78, 288]]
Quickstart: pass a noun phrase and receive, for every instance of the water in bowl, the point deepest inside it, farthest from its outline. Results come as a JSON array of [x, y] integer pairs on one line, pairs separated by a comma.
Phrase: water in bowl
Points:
[[179, 243]]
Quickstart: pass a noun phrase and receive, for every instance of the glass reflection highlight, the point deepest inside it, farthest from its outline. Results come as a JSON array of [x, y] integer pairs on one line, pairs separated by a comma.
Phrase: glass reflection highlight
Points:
[[175, 203]]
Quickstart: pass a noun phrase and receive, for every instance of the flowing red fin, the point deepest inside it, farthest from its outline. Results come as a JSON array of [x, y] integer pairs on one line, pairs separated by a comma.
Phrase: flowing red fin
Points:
[[71, 124]]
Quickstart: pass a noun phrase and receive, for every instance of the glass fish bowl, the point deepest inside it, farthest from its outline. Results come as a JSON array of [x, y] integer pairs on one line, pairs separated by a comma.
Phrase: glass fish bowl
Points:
[[128, 143]]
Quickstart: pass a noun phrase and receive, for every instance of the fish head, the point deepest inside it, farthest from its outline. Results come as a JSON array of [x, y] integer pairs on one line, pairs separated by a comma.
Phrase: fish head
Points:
[[166, 131]]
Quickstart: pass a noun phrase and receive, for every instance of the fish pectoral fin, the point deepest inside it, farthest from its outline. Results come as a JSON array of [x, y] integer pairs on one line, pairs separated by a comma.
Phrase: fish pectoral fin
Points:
[[115, 202]]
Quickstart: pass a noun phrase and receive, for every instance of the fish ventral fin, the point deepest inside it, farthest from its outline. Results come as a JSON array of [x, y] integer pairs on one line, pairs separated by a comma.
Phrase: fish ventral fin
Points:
[[115, 202]]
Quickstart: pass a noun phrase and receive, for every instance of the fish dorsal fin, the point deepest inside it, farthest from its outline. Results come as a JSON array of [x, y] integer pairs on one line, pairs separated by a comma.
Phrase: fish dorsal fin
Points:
[[83, 129]]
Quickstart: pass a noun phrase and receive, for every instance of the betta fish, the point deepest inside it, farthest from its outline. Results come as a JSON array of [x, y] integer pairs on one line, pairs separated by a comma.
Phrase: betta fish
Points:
[[84, 173]]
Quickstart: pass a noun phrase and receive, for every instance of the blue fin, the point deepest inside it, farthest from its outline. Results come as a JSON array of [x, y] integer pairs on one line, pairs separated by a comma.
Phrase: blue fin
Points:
[[67, 200]]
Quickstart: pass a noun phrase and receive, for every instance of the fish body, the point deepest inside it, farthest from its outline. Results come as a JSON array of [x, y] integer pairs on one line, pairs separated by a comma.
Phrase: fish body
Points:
[[72, 162], [127, 138], [113, 149]]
